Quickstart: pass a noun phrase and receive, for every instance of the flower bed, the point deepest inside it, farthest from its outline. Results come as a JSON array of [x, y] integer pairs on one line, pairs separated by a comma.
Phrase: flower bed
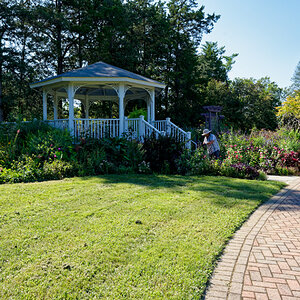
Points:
[[35, 151], [271, 152]]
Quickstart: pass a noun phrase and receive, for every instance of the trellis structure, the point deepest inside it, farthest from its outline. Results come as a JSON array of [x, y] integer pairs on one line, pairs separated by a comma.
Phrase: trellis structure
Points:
[[213, 117]]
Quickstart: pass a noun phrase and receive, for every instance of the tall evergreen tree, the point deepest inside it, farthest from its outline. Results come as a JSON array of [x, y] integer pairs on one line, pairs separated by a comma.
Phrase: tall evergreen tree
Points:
[[296, 78], [213, 64], [7, 35], [187, 24]]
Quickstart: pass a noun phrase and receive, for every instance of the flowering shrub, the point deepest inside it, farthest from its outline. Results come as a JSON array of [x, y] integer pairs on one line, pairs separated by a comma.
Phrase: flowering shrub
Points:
[[40, 152], [265, 150], [240, 170]]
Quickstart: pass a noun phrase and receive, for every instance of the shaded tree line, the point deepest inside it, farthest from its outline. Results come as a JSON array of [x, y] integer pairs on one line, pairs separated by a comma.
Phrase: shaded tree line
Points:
[[157, 39]]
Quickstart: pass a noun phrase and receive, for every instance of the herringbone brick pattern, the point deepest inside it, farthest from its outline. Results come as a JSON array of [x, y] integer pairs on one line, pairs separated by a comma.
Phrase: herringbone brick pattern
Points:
[[273, 269], [262, 261]]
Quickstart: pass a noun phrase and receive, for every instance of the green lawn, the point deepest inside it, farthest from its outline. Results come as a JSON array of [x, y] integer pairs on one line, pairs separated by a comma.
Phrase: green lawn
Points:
[[119, 236]]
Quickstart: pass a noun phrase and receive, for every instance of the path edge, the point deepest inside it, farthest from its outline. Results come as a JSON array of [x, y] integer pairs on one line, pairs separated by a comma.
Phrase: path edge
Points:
[[227, 279]]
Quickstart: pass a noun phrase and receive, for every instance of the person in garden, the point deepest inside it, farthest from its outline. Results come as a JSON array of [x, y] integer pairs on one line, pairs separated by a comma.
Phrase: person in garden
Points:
[[212, 144]]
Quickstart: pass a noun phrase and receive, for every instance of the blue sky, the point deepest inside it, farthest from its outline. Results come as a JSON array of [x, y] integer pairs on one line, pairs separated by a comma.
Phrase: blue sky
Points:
[[265, 34]]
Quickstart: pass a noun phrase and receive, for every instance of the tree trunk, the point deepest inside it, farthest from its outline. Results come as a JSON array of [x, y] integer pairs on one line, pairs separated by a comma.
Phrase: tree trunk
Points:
[[59, 40], [1, 78], [1, 100], [80, 57]]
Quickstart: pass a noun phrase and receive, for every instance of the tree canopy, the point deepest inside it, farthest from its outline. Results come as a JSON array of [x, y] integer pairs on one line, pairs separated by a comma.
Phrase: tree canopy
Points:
[[289, 112], [296, 78], [157, 39]]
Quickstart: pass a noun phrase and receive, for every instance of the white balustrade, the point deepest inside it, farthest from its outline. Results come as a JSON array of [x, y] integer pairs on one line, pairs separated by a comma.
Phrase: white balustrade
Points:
[[173, 130], [96, 128], [150, 130], [137, 128], [59, 123], [132, 127], [160, 125]]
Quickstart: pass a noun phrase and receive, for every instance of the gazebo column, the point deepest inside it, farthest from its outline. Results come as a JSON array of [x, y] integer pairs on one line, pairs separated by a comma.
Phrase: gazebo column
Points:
[[45, 94], [86, 106], [121, 92], [152, 105], [71, 108], [55, 109], [148, 111]]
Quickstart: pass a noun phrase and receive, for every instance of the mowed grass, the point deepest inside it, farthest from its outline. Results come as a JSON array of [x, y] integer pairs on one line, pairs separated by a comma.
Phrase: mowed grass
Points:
[[119, 236]]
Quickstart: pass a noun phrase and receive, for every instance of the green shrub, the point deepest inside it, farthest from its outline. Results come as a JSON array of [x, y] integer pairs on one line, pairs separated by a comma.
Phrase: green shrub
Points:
[[239, 171], [57, 169], [34, 138], [136, 113], [27, 169], [162, 153], [110, 155], [262, 176]]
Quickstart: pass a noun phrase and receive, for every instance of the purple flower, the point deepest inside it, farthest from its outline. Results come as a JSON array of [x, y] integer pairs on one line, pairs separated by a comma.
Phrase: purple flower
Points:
[[58, 149]]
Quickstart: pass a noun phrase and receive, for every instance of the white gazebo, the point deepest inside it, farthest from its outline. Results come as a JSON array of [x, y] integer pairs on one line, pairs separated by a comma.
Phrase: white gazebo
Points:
[[104, 82]]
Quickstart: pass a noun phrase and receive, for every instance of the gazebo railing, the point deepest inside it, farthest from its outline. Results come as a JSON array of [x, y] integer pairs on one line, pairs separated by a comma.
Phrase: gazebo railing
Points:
[[96, 128], [132, 127], [137, 128], [59, 123], [150, 130], [160, 125], [173, 130]]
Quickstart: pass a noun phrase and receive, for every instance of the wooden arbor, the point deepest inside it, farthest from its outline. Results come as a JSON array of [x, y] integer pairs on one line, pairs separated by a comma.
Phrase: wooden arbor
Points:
[[213, 117]]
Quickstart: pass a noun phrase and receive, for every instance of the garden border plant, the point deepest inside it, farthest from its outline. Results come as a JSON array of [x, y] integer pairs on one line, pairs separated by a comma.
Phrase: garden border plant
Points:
[[35, 151]]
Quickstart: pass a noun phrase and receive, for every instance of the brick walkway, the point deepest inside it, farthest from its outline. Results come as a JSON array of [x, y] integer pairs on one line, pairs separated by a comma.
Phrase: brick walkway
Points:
[[262, 261]]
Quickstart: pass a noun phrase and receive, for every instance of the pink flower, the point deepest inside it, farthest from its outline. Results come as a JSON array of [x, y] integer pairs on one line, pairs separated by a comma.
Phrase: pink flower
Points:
[[234, 145], [236, 156], [18, 131], [54, 155]]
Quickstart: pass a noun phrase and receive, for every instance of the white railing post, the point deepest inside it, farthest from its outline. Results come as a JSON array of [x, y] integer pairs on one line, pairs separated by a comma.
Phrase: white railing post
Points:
[[168, 126], [189, 137], [126, 124], [55, 115], [152, 106], [45, 105], [141, 127], [121, 93], [71, 109]]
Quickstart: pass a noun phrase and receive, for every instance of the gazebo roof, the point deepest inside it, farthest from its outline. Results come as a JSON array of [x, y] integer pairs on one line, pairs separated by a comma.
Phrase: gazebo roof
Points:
[[99, 72]]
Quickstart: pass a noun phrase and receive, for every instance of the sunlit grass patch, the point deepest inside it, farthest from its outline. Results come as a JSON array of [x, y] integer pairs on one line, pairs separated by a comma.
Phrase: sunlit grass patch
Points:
[[119, 236]]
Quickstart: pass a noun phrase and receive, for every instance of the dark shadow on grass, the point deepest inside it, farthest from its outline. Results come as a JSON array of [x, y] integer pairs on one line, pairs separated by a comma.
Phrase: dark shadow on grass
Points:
[[216, 186]]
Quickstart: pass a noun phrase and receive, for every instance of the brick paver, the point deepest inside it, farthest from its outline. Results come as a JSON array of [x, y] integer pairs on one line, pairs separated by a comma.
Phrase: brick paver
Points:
[[262, 261]]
